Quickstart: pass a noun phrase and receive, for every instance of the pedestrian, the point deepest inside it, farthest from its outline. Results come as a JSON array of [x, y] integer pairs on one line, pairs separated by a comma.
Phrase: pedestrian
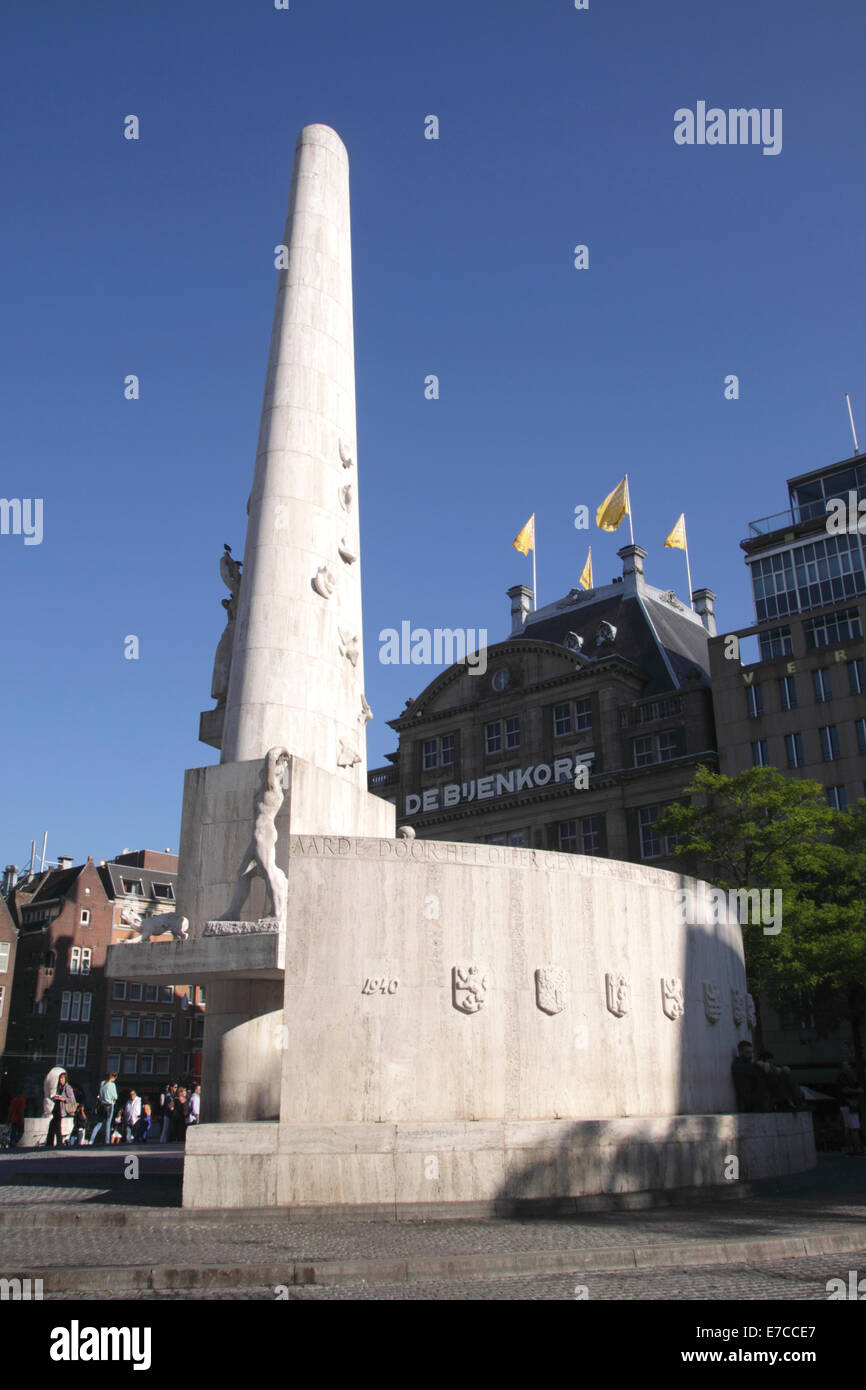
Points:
[[143, 1124], [194, 1105], [131, 1116], [64, 1104], [105, 1107], [851, 1121], [16, 1120], [179, 1116], [167, 1111], [79, 1127]]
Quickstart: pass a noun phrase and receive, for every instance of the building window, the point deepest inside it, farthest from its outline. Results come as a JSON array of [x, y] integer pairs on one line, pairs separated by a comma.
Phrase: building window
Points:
[[832, 628], [821, 685], [431, 751], [163, 1062], [516, 838], [151, 993], [788, 692], [112, 1062], [133, 887], [146, 1063], [860, 726], [590, 838], [75, 1015], [643, 751], [857, 676], [86, 1006], [567, 836], [447, 750], [165, 1027], [582, 715], [760, 756], [493, 738], [775, 643], [82, 1050], [512, 733], [166, 994], [115, 1028], [807, 577], [837, 798], [119, 989], [2, 999], [79, 960], [148, 1027], [754, 701], [65, 1001], [794, 749], [651, 844], [135, 991], [561, 720], [40, 1006], [60, 1058], [130, 1063], [187, 1063], [164, 890], [668, 745], [133, 1022], [5, 947], [829, 743], [438, 752]]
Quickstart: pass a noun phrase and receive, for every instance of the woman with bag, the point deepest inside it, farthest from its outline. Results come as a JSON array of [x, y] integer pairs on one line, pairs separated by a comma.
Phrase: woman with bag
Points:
[[64, 1104]]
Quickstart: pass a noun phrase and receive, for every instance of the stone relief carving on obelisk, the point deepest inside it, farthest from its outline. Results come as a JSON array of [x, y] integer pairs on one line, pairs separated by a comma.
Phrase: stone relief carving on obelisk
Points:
[[259, 858], [230, 574]]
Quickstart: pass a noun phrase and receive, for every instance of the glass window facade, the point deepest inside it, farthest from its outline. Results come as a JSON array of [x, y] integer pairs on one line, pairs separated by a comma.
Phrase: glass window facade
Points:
[[808, 576]]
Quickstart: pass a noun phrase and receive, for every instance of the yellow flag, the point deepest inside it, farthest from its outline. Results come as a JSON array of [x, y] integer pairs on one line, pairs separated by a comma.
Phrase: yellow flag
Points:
[[585, 580], [525, 541], [614, 507], [677, 538]]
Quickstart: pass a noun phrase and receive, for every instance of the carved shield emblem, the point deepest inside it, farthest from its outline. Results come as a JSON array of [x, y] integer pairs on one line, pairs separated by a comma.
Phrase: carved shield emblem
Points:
[[617, 994], [751, 1015], [712, 1001], [551, 989], [469, 984], [738, 1006], [673, 1002]]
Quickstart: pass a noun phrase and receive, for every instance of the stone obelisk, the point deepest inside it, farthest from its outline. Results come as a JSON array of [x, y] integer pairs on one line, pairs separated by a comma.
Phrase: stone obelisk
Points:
[[297, 664]]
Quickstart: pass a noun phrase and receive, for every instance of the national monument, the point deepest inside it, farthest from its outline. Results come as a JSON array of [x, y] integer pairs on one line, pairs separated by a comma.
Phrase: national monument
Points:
[[394, 1022]]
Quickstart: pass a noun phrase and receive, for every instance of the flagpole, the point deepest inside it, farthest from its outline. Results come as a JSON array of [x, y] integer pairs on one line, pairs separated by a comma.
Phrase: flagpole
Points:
[[534, 582], [688, 566], [628, 495]]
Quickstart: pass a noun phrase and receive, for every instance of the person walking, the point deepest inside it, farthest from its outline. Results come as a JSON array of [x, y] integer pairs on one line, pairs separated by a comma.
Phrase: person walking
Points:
[[131, 1116], [194, 1105], [167, 1111], [64, 1104], [143, 1125], [179, 1117], [16, 1120], [105, 1107], [79, 1127]]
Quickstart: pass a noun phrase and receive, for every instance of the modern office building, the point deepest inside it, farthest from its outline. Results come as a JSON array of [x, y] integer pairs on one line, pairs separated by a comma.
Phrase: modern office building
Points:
[[790, 691], [587, 720]]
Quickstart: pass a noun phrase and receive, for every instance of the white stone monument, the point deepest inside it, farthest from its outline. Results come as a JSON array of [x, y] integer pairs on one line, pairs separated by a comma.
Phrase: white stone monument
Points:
[[394, 1022]]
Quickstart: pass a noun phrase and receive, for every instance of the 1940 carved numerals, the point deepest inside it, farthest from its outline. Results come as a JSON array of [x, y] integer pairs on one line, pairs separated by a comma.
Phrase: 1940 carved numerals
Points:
[[380, 985]]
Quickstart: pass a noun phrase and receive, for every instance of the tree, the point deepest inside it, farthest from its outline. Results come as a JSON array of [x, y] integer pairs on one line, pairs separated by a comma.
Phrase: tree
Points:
[[762, 829]]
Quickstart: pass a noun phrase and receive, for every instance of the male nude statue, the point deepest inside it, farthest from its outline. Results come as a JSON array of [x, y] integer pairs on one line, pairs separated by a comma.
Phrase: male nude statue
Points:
[[259, 859]]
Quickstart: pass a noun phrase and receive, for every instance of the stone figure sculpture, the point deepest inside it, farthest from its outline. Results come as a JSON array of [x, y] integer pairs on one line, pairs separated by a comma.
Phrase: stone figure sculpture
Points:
[[259, 858], [230, 574], [156, 923]]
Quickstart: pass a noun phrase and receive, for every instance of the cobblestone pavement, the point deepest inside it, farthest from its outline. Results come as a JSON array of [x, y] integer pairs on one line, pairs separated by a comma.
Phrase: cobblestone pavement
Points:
[[781, 1280]]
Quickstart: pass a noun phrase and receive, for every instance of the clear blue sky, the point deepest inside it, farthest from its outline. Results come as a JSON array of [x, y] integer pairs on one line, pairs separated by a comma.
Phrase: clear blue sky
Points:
[[156, 257]]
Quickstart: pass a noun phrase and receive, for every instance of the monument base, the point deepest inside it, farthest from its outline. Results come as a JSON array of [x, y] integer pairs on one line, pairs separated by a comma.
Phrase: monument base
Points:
[[484, 1163]]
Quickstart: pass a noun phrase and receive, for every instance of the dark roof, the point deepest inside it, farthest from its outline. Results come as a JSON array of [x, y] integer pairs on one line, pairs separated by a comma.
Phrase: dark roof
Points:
[[55, 884], [112, 876], [665, 644]]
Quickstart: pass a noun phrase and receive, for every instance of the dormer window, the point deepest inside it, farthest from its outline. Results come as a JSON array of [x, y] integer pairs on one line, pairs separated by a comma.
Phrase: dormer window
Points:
[[133, 886]]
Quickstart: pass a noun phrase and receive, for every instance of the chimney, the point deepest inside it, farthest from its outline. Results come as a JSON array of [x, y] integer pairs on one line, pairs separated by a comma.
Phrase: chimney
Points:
[[10, 878], [521, 607], [64, 861], [703, 600], [632, 557]]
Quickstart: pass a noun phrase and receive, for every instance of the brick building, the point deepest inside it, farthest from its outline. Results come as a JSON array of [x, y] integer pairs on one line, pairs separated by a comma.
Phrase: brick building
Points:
[[63, 1011]]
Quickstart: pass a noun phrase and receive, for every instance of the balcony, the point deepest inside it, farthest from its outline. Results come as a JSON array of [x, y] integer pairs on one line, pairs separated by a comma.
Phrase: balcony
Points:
[[794, 516]]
